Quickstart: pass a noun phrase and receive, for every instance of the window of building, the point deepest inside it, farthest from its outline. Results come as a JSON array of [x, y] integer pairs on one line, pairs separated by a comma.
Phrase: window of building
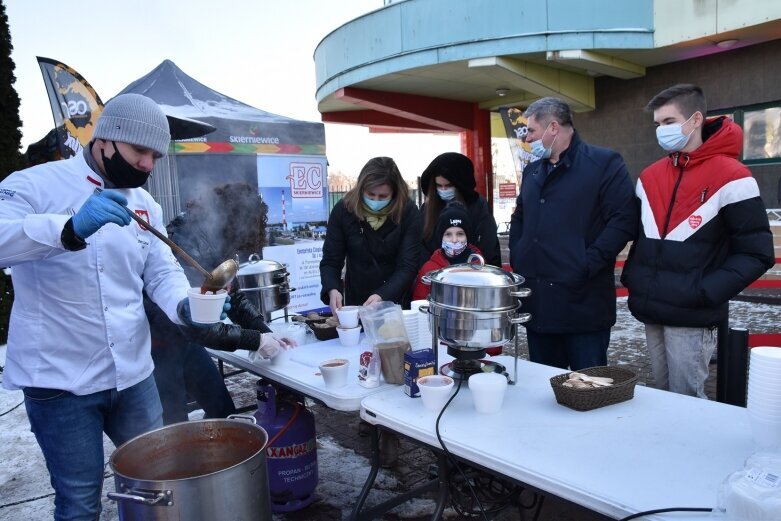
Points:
[[761, 132]]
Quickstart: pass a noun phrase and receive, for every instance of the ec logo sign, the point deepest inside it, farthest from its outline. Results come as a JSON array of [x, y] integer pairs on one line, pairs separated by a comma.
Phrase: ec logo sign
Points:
[[306, 180]]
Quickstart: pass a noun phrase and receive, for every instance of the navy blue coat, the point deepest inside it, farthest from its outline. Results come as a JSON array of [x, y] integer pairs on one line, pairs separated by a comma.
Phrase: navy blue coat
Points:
[[566, 231]]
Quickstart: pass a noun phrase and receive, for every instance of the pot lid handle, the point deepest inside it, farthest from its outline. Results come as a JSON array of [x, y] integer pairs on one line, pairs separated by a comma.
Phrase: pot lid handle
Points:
[[254, 258], [476, 257]]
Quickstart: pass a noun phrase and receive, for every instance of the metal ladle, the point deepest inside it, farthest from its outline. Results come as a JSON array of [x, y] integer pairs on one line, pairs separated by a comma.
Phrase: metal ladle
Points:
[[214, 281]]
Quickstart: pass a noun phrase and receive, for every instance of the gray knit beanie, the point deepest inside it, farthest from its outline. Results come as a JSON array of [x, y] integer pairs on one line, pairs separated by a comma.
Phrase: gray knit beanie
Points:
[[136, 120]]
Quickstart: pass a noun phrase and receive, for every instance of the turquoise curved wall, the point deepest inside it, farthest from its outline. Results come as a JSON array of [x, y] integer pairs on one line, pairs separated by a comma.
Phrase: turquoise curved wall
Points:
[[410, 34]]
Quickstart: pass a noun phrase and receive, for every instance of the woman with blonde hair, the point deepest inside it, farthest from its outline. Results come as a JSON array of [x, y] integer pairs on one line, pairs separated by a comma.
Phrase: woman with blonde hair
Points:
[[375, 230]]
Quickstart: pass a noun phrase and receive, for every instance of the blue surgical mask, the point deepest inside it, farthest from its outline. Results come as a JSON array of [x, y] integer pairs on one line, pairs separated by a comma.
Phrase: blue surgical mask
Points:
[[671, 137], [447, 194], [375, 205], [538, 149], [453, 248]]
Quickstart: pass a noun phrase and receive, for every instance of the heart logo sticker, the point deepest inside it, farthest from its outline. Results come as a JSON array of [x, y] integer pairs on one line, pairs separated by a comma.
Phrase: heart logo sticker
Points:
[[695, 221]]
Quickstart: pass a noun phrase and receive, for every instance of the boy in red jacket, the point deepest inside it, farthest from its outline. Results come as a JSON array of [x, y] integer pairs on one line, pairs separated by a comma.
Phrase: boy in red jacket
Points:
[[455, 231]]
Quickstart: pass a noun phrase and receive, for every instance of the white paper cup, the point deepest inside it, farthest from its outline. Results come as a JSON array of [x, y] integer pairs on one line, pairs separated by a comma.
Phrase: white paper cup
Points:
[[295, 331], [334, 372], [767, 433], [767, 352], [348, 316], [488, 391], [349, 336], [435, 391], [206, 308]]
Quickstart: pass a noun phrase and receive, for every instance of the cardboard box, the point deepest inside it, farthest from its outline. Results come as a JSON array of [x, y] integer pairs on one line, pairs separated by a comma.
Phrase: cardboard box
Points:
[[416, 365]]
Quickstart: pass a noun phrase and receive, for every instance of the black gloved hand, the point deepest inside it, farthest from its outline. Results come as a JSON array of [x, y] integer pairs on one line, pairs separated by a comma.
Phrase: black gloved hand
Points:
[[221, 336], [245, 313]]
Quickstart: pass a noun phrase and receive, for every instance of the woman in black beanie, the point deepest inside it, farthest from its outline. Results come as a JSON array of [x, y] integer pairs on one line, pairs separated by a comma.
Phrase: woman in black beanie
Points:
[[451, 177]]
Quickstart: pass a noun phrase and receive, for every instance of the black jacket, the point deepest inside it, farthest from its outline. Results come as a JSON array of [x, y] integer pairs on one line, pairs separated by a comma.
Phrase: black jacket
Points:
[[567, 229], [704, 234], [248, 322], [484, 225], [384, 261]]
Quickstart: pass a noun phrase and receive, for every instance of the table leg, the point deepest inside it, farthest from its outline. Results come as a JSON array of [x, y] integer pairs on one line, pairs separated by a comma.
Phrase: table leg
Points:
[[378, 510], [375, 461], [442, 481]]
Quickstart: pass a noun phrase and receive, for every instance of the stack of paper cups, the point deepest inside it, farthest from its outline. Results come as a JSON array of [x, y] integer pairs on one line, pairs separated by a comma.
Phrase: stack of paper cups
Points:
[[424, 330], [411, 325], [764, 396]]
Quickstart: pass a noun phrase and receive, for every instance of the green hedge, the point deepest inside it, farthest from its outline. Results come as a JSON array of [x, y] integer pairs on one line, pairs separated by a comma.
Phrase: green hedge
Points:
[[6, 299]]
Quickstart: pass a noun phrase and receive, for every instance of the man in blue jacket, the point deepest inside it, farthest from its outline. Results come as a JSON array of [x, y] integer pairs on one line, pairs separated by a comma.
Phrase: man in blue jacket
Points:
[[575, 213]]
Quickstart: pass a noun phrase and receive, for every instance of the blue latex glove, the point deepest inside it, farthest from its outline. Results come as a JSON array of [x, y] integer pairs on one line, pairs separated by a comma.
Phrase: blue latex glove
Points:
[[183, 310], [100, 209]]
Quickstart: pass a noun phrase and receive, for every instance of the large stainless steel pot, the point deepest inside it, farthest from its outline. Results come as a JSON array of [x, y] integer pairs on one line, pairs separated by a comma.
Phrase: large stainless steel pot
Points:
[[475, 287], [475, 329], [475, 306], [196, 470], [266, 283]]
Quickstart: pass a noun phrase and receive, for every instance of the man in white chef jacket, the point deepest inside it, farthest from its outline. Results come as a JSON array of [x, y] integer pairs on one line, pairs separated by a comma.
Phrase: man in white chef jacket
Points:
[[78, 342]]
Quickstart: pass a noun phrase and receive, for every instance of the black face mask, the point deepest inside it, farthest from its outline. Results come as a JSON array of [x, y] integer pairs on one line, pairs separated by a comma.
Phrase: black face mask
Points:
[[120, 172]]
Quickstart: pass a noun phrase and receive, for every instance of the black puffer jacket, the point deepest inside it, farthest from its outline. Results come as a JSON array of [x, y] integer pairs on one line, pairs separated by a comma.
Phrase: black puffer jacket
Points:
[[383, 261], [248, 322], [243, 333], [704, 234]]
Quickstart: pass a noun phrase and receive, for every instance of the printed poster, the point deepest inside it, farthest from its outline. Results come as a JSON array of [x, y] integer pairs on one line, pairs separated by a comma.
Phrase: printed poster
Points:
[[294, 188], [303, 265]]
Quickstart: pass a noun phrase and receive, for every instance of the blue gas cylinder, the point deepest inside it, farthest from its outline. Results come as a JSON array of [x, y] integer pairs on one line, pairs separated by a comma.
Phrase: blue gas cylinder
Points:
[[291, 454]]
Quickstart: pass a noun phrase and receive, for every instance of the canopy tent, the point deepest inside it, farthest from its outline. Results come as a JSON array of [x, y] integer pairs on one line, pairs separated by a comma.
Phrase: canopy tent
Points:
[[284, 157]]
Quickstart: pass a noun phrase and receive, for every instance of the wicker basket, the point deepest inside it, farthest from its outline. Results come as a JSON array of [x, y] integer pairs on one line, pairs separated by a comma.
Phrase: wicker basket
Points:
[[623, 389]]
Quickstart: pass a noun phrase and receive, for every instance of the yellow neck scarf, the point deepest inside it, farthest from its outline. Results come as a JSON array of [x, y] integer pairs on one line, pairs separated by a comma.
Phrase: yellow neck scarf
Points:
[[376, 219]]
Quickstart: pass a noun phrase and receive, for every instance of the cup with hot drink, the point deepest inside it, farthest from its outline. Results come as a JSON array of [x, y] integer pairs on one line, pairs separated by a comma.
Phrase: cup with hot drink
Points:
[[334, 372], [488, 391], [435, 391], [348, 316], [349, 336], [206, 307]]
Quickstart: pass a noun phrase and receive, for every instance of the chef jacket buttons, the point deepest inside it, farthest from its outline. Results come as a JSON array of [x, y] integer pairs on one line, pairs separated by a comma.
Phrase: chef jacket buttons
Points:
[[105, 309], [542, 201], [111, 344]]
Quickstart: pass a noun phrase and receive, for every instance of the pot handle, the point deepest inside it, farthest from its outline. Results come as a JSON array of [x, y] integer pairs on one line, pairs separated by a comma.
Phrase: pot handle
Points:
[[248, 418], [146, 498], [521, 318], [284, 291], [521, 293], [476, 257], [423, 309], [254, 258], [426, 280]]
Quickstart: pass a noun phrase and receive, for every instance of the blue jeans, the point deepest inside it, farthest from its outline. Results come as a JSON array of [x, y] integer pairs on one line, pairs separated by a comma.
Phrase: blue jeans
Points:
[[69, 430], [680, 357], [569, 351]]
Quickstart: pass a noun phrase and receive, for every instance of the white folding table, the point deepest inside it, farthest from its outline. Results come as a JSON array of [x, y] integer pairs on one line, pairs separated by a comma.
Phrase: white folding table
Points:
[[657, 450], [300, 372]]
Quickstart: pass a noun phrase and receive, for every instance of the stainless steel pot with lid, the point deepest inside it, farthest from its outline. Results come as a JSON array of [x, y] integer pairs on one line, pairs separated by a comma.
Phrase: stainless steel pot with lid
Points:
[[475, 306], [266, 282], [475, 286]]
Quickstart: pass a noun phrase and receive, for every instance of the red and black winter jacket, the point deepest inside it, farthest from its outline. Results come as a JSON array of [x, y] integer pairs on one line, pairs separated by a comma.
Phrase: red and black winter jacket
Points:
[[704, 233]]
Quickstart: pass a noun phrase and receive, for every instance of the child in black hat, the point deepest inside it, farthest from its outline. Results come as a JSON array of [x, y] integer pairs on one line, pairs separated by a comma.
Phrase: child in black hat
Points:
[[455, 233]]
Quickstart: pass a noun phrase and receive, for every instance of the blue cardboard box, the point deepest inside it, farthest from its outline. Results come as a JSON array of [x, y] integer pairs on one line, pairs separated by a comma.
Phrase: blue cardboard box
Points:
[[416, 365]]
